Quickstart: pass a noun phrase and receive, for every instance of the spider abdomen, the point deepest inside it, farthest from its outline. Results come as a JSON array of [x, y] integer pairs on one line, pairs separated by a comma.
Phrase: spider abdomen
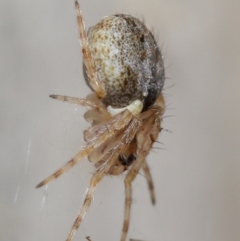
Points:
[[128, 60]]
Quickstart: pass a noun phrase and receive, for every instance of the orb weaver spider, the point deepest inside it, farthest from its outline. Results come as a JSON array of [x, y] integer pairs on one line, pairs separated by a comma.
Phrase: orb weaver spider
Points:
[[124, 68]]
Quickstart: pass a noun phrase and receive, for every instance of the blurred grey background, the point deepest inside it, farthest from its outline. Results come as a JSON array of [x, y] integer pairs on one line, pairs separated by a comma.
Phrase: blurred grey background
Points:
[[197, 168]]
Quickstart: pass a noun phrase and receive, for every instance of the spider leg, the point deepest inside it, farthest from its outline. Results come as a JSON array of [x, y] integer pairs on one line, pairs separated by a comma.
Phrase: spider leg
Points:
[[148, 176], [96, 135], [128, 194], [84, 152], [77, 101], [144, 144], [81, 154], [127, 137], [111, 126], [97, 113], [96, 178], [87, 56]]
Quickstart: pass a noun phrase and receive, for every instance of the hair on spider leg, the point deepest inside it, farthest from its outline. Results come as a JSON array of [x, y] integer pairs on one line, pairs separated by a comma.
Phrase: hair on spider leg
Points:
[[166, 116], [163, 129], [160, 142], [153, 150], [158, 148], [169, 108], [169, 87]]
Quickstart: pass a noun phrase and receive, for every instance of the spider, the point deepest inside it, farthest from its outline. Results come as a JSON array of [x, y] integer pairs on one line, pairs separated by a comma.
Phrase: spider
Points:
[[124, 68]]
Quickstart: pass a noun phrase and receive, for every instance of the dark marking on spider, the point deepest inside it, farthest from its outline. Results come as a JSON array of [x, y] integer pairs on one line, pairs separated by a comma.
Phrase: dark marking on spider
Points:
[[127, 161]]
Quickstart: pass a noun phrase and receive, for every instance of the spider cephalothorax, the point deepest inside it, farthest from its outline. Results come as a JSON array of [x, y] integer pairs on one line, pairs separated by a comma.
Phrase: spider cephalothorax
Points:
[[124, 67]]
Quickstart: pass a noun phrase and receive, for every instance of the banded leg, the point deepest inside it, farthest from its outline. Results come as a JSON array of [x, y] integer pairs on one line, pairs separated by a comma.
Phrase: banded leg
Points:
[[77, 101], [97, 113], [87, 56], [96, 178], [95, 136], [81, 154], [127, 137], [128, 194], [144, 144], [148, 176]]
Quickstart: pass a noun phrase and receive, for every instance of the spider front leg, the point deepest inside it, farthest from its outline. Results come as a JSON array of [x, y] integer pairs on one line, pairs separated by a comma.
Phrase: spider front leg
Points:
[[96, 178], [95, 136], [81, 154], [144, 144], [87, 56], [77, 101]]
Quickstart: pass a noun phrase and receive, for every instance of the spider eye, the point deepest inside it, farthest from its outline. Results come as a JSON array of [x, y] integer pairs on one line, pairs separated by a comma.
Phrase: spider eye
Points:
[[127, 161], [131, 158], [122, 159]]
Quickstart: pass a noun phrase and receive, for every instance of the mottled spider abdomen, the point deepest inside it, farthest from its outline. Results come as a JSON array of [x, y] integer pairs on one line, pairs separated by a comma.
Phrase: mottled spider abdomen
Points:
[[128, 60]]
